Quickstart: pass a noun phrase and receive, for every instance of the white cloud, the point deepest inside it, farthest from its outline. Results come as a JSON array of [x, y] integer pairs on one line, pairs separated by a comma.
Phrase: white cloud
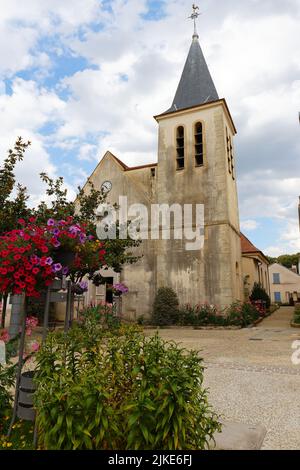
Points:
[[253, 56], [249, 225]]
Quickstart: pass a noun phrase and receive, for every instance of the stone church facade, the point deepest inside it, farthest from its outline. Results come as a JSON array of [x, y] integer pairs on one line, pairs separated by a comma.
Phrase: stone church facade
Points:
[[195, 165]]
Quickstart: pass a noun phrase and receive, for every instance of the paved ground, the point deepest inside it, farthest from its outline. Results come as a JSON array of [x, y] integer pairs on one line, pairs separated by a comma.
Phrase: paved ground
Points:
[[251, 376]]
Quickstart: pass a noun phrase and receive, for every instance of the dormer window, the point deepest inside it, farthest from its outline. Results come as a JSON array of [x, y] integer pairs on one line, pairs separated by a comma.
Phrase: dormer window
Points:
[[199, 153], [180, 148]]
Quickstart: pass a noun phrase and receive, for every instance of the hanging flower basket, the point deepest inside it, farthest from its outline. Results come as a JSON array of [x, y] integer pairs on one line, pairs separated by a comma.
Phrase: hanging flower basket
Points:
[[64, 257]]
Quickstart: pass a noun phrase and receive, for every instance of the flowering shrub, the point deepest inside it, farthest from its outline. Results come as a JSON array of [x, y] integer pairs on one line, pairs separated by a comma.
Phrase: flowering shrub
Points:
[[4, 336], [201, 314], [120, 289], [238, 314], [80, 287], [31, 324], [242, 314], [27, 255]]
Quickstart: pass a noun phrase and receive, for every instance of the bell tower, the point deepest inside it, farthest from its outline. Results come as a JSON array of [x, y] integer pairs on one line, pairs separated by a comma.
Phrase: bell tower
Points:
[[196, 165]]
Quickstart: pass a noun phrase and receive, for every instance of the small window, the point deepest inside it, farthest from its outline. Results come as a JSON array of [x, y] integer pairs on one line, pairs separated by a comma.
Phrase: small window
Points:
[[199, 151], [153, 172], [230, 155], [276, 278], [180, 148], [277, 296]]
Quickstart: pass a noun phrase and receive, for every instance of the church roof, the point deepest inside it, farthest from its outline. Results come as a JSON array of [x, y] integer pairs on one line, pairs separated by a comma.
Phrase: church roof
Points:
[[249, 248], [196, 86]]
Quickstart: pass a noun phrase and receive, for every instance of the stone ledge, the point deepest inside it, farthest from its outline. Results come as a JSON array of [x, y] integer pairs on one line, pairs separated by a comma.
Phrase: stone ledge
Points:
[[295, 325], [239, 436]]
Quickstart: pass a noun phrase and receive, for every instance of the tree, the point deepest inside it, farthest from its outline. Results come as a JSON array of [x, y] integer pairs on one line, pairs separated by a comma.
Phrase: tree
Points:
[[286, 260], [165, 307], [83, 208], [259, 293], [12, 208]]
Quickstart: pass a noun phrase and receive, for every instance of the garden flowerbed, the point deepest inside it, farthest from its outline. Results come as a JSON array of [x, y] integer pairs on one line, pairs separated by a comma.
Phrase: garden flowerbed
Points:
[[21, 437]]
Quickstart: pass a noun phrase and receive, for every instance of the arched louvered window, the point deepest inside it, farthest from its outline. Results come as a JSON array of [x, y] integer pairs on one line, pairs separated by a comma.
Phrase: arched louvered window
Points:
[[199, 150], [180, 148]]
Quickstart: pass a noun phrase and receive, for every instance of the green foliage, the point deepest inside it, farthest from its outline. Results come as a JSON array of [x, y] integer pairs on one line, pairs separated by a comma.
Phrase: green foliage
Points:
[[259, 293], [286, 260], [201, 315], [12, 208], [242, 314], [238, 314], [165, 307], [123, 392], [7, 380], [297, 315], [83, 208]]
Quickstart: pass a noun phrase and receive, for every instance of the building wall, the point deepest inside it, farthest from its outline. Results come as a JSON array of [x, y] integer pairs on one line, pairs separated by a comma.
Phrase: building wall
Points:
[[255, 270], [214, 274], [289, 283]]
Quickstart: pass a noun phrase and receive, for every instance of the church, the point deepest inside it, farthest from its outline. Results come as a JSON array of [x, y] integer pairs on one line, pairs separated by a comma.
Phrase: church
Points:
[[195, 165]]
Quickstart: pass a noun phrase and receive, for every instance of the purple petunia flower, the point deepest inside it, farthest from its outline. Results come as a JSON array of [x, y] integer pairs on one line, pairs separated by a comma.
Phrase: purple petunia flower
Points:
[[56, 267], [74, 230], [51, 222], [56, 243], [84, 285], [65, 271], [49, 261], [82, 238], [56, 231]]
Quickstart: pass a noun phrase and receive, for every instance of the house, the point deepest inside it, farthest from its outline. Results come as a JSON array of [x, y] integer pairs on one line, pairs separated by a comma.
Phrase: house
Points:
[[285, 284]]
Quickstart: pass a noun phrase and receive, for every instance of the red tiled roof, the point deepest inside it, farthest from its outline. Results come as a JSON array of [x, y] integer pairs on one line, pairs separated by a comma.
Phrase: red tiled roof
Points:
[[247, 246]]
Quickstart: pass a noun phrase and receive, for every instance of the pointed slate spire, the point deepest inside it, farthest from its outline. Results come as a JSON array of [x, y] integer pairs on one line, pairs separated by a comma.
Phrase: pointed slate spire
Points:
[[196, 85]]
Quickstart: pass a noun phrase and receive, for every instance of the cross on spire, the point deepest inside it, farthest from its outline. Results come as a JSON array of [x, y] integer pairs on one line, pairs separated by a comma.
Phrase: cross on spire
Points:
[[194, 16]]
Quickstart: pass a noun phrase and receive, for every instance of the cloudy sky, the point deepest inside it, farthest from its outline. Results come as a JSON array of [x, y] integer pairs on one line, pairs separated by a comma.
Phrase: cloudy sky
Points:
[[79, 77]]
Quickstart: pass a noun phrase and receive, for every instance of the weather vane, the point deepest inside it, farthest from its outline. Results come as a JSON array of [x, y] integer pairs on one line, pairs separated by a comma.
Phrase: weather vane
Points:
[[194, 17]]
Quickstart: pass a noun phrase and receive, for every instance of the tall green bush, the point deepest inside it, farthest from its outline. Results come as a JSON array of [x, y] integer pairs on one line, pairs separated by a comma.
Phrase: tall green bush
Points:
[[259, 293], [126, 392], [297, 315], [165, 307]]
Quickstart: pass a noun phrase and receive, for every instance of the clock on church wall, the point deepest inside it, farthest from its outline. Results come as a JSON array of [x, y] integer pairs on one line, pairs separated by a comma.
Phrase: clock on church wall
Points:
[[106, 187]]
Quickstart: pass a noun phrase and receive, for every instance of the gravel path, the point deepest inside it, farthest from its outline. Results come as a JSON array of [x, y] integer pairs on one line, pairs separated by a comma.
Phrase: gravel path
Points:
[[250, 375]]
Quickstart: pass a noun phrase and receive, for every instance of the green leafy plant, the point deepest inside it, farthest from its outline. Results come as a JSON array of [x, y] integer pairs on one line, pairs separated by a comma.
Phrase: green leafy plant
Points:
[[7, 380], [201, 315], [242, 314], [297, 315], [165, 307], [260, 294], [124, 391]]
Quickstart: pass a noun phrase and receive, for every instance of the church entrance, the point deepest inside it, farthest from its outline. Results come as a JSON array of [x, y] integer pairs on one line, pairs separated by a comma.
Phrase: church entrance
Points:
[[109, 282]]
